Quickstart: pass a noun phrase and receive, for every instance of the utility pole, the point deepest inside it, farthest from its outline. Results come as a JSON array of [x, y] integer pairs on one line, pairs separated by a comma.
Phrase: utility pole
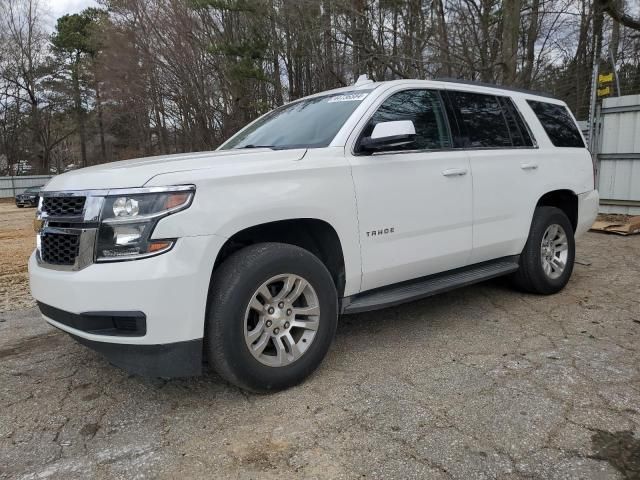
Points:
[[592, 107]]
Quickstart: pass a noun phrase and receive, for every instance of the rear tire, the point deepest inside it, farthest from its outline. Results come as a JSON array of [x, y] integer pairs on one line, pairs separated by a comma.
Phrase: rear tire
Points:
[[272, 315], [546, 263]]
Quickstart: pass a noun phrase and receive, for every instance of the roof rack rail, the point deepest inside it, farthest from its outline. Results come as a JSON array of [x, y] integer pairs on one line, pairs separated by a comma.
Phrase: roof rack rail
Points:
[[491, 85]]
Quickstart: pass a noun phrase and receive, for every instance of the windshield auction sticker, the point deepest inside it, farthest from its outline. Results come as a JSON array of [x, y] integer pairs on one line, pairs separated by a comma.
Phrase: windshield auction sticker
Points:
[[348, 97]]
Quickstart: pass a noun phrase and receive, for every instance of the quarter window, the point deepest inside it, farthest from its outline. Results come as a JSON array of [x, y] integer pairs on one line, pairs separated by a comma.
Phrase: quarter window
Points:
[[558, 123], [424, 108], [520, 136], [482, 120]]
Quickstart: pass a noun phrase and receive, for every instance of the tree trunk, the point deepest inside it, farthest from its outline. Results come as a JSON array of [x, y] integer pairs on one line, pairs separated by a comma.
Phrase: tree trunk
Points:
[[485, 63], [327, 47], [80, 120], [277, 81], [510, 29], [615, 38], [444, 38], [103, 146], [532, 36], [357, 35]]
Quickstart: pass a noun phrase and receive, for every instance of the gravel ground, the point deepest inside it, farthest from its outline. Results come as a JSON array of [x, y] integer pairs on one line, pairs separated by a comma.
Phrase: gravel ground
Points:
[[483, 382]]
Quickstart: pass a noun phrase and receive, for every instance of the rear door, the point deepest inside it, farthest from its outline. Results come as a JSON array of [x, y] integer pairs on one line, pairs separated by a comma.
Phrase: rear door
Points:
[[504, 164], [414, 202]]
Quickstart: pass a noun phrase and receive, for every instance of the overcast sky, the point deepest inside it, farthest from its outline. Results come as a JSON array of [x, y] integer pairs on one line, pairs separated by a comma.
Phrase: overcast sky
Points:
[[58, 8]]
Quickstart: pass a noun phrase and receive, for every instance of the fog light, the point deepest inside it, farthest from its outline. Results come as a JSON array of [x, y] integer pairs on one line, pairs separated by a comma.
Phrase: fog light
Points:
[[124, 235], [125, 207], [127, 238]]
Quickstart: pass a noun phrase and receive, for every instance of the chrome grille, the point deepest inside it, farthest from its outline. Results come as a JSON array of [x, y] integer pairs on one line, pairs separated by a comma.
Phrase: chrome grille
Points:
[[63, 206], [59, 249], [66, 223]]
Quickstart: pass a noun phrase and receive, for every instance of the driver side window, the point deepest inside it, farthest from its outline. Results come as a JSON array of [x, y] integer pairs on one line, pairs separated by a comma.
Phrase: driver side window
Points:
[[424, 108]]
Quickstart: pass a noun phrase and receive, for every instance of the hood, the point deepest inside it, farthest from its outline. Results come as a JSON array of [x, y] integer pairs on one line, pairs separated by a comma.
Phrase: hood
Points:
[[135, 173]]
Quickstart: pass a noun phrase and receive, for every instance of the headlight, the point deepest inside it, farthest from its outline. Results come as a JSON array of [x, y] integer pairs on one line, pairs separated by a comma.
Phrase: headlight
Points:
[[128, 219], [126, 207]]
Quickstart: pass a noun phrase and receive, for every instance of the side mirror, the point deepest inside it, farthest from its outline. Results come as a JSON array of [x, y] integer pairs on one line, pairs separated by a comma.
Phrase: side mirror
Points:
[[389, 135]]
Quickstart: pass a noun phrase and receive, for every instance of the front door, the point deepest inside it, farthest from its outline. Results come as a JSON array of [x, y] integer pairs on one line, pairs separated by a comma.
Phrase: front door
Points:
[[415, 202]]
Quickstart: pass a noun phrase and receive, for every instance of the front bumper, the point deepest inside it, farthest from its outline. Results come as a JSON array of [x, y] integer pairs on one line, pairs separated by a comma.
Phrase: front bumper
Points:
[[170, 290], [179, 359]]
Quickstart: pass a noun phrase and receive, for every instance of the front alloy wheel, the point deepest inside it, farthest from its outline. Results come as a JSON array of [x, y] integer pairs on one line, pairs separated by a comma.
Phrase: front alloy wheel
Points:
[[272, 315], [281, 321]]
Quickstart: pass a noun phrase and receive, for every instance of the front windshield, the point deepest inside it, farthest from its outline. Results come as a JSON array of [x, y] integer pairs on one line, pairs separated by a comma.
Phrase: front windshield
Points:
[[310, 123]]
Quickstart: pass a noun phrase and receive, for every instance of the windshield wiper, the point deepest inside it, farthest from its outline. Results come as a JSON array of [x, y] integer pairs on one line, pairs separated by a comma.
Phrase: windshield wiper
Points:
[[257, 146]]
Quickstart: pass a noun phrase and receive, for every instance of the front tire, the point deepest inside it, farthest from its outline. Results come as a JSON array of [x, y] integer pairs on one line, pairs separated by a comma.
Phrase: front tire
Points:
[[272, 315], [546, 263]]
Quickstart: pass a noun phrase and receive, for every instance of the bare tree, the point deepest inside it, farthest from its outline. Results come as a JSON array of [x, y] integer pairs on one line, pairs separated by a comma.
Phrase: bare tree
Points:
[[616, 12], [24, 66], [181, 75]]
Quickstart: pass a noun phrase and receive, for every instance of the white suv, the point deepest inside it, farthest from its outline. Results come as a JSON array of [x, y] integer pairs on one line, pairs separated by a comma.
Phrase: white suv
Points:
[[346, 201]]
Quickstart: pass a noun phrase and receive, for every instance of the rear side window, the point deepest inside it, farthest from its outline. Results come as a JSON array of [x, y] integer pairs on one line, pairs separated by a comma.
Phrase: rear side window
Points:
[[520, 136], [558, 123], [483, 122], [424, 108]]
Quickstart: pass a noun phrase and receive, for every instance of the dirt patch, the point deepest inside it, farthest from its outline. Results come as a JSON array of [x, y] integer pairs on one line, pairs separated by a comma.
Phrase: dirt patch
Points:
[[17, 241], [30, 344], [268, 455], [621, 450]]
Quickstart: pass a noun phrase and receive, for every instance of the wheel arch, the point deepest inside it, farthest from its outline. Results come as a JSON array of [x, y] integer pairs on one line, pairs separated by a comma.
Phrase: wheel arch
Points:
[[564, 199], [314, 235]]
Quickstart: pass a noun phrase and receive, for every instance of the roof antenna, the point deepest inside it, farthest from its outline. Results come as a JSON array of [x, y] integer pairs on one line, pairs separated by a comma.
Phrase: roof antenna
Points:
[[362, 80]]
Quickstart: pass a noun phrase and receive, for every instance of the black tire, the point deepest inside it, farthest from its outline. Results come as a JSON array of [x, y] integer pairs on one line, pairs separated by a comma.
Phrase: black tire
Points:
[[20, 206], [531, 276], [233, 286]]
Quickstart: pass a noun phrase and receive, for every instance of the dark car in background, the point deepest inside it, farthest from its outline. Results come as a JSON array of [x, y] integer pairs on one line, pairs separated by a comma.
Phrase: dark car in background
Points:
[[29, 198]]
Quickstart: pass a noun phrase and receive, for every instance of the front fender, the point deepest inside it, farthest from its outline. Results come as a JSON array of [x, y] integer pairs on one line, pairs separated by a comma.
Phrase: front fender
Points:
[[226, 206]]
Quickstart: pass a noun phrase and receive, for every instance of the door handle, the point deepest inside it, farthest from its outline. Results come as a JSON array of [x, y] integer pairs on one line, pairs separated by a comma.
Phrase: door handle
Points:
[[529, 166], [454, 172]]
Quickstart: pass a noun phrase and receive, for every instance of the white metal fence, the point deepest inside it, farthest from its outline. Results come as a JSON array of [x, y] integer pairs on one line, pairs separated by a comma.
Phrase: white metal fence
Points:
[[10, 186], [618, 155]]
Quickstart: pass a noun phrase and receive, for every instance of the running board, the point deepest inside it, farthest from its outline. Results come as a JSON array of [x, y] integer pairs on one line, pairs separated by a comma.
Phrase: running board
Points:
[[427, 286]]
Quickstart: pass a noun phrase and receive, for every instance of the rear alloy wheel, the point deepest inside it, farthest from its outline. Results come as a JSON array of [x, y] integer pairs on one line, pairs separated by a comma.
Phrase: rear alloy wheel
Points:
[[272, 315], [546, 263], [554, 251]]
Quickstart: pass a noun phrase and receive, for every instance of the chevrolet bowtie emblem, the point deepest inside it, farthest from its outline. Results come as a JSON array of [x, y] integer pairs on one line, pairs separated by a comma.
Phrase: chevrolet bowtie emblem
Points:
[[37, 224]]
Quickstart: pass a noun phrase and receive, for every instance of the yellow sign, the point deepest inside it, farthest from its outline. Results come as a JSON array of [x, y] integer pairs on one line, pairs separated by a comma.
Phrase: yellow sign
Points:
[[604, 91], [605, 78]]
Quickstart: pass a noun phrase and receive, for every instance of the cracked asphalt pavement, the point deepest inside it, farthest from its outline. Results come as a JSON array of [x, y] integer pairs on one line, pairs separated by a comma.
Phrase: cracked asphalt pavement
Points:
[[483, 382]]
